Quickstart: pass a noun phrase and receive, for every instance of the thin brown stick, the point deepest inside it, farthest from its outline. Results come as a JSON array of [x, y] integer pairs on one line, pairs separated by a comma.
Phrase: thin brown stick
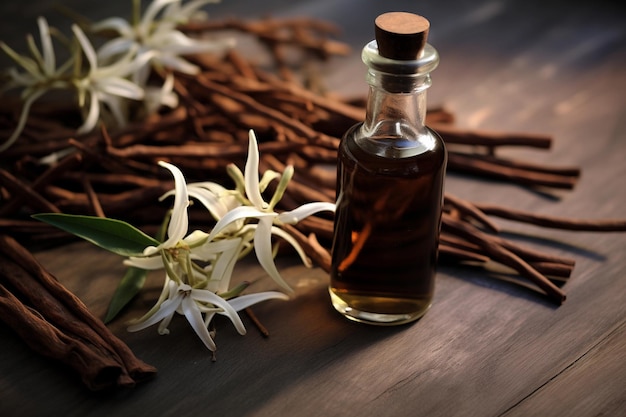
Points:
[[468, 164], [506, 257], [94, 201], [35, 200], [51, 174], [471, 211], [257, 323], [554, 222], [454, 134], [311, 246]]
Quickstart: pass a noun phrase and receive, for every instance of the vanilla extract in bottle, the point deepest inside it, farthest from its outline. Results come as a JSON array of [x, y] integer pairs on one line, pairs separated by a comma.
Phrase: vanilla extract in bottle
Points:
[[390, 175]]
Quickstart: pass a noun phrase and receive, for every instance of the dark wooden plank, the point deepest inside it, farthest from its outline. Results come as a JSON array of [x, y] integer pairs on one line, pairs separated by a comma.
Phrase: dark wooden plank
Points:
[[594, 384]]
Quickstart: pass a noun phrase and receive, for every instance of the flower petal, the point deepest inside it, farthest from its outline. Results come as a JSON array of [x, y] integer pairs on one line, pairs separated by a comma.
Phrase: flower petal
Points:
[[116, 24], [192, 313], [150, 263], [120, 87], [236, 214], [116, 106], [46, 46], [166, 309], [305, 210], [251, 173], [92, 115], [216, 300], [150, 14], [209, 249], [179, 222], [90, 54], [113, 48], [22, 120], [214, 197], [176, 63], [223, 268], [294, 243], [263, 249], [174, 42], [245, 301]]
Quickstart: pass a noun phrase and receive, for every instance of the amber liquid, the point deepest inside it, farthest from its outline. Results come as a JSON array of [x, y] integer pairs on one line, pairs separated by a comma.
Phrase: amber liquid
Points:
[[387, 225]]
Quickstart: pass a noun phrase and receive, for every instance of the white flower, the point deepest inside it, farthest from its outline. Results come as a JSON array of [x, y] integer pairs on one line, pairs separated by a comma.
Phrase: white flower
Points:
[[267, 217], [107, 84], [160, 36], [190, 290], [193, 303], [40, 75], [222, 254]]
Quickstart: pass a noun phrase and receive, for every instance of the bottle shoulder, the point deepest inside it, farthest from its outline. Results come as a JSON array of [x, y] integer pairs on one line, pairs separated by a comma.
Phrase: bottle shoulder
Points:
[[391, 155]]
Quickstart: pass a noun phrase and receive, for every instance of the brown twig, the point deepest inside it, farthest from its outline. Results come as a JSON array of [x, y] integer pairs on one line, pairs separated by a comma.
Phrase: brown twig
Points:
[[554, 222]]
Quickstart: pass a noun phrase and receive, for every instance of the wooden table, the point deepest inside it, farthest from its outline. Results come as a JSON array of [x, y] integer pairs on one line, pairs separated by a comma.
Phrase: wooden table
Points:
[[487, 347]]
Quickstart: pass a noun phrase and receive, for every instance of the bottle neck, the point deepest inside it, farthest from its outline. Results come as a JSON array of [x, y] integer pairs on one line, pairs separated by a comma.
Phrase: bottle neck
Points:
[[396, 106], [394, 125]]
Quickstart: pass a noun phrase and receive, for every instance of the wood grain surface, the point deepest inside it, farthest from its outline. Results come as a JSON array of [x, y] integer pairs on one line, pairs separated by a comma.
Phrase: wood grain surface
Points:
[[487, 347]]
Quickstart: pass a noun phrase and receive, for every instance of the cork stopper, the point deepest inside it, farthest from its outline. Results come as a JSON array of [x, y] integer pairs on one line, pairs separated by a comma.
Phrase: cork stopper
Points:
[[401, 35]]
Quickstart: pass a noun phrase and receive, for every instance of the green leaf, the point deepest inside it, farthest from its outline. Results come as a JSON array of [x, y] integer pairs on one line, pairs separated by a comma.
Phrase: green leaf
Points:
[[129, 287], [113, 235]]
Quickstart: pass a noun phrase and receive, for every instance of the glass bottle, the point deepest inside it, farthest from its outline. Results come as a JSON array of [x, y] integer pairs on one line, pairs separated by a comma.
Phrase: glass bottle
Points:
[[390, 175]]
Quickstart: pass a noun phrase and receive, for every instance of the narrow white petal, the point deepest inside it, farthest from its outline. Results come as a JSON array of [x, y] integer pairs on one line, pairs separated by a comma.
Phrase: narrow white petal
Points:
[[150, 263], [212, 199], [25, 62], [245, 301], [164, 96], [116, 24], [86, 45], [216, 300], [211, 249], [179, 222], [19, 80], [46, 46], [263, 249], [267, 178], [304, 211], [117, 107], [208, 317], [176, 63], [192, 313], [197, 237], [223, 268], [251, 173], [132, 62], [92, 115], [114, 47], [167, 308], [175, 42], [150, 14], [236, 214], [294, 243], [120, 87], [22, 120]]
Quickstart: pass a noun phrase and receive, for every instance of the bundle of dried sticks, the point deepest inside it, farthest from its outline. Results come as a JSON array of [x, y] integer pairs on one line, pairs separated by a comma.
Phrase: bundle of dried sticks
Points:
[[55, 323]]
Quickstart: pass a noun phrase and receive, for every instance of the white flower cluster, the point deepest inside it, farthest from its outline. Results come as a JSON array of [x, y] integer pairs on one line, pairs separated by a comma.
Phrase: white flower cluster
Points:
[[119, 70], [199, 292]]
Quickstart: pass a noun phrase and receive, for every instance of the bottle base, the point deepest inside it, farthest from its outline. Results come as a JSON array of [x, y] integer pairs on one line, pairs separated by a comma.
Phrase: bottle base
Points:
[[379, 311]]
